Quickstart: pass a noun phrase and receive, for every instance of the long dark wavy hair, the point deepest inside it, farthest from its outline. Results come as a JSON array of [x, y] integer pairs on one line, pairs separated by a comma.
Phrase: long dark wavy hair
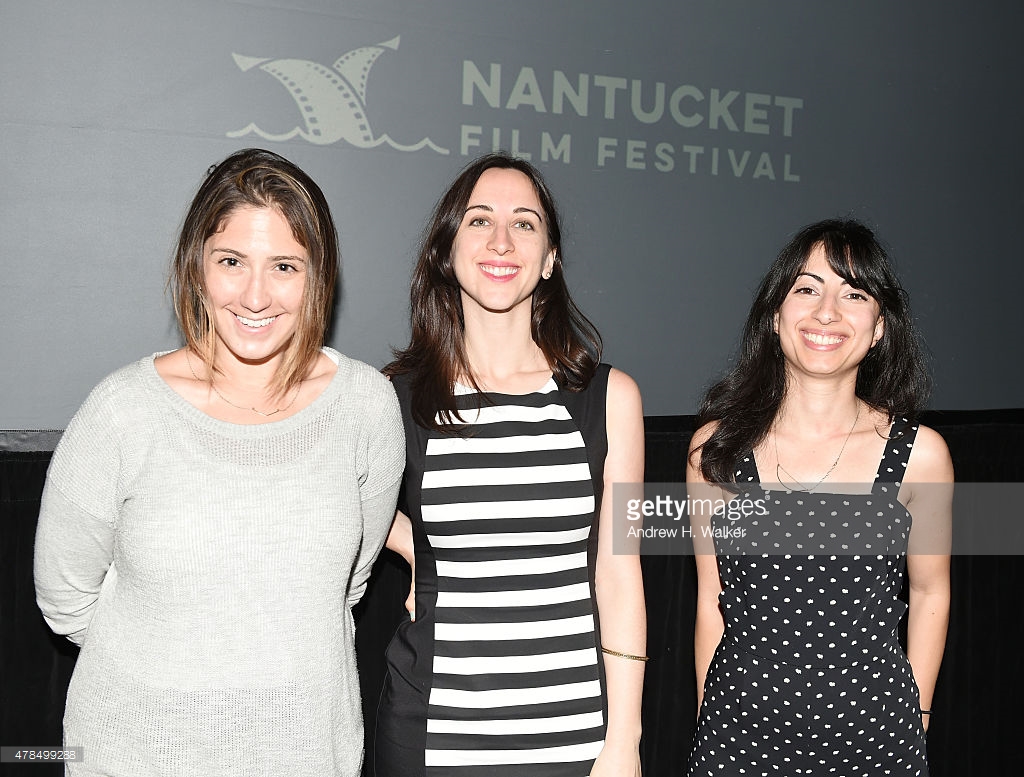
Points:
[[436, 355], [892, 377]]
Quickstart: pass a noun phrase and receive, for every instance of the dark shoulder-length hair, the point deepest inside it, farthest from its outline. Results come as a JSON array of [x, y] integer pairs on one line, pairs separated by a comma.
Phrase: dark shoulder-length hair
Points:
[[256, 178], [436, 355], [891, 378]]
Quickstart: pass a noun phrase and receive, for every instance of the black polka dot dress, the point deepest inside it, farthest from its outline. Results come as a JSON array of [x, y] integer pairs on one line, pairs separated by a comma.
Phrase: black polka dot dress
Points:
[[809, 678]]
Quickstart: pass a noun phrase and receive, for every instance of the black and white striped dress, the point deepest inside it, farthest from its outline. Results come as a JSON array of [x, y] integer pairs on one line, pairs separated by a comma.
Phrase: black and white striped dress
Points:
[[500, 672]]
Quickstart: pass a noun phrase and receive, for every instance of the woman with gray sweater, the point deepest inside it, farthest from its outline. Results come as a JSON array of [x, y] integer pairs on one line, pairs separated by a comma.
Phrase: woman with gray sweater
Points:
[[211, 514]]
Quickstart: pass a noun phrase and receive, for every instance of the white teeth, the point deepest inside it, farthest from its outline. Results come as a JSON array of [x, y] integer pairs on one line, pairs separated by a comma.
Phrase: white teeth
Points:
[[823, 339], [256, 323], [499, 272]]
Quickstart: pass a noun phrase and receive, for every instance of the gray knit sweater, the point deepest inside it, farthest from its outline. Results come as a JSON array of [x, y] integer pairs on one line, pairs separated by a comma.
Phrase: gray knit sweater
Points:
[[208, 569]]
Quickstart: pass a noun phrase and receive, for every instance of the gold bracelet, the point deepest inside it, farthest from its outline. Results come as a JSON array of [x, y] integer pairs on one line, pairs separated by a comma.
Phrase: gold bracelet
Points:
[[645, 659]]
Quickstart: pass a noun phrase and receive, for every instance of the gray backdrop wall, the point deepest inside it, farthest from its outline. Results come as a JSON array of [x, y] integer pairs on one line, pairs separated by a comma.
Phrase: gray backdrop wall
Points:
[[686, 140]]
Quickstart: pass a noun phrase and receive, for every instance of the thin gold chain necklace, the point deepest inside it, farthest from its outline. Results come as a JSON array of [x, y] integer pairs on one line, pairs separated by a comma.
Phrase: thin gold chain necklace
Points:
[[216, 391], [779, 468]]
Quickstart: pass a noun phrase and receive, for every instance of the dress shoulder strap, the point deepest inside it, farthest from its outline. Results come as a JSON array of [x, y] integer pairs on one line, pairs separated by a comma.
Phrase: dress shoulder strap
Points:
[[746, 469], [587, 408], [900, 443]]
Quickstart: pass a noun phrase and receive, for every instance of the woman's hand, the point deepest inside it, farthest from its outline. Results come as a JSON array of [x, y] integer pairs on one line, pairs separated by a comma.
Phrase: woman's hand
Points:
[[410, 600], [617, 759], [401, 542]]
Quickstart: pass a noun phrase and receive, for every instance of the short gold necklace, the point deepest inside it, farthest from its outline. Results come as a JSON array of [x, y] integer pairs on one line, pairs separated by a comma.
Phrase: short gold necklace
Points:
[[779, 468], [240, 407]]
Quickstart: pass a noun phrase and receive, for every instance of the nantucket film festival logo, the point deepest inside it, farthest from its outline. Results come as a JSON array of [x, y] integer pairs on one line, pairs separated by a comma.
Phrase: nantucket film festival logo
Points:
[[600, 120], [331, 100]]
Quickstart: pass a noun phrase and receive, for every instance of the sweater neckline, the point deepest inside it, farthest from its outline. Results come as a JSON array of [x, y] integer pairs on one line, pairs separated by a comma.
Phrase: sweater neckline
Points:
[[198, 418]]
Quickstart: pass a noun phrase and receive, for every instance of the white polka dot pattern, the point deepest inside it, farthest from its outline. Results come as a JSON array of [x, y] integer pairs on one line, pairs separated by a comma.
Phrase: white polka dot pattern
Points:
[[809, 678]]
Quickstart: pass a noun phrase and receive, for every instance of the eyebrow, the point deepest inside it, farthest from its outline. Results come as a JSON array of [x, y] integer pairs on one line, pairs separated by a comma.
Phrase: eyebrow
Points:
[[489, 209], [272, 259], [819, 279]]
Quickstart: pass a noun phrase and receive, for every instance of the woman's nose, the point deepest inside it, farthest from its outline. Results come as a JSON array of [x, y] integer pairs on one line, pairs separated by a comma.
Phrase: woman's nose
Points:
[[501, 239]]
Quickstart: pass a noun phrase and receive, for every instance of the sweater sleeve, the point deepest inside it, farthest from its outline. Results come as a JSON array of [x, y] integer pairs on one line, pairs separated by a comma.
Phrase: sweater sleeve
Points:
[[381, 460], [77, 518]]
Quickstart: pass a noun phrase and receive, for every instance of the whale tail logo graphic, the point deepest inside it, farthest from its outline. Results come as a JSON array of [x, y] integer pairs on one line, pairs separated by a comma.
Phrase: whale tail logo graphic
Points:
[[331, 100]]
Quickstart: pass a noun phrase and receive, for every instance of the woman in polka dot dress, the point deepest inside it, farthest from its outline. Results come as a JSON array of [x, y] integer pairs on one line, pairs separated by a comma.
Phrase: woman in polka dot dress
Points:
[[836, 496]]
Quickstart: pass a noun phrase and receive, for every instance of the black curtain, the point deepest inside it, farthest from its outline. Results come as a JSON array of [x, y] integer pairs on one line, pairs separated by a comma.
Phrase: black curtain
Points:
[[35, 665], [977, 705]]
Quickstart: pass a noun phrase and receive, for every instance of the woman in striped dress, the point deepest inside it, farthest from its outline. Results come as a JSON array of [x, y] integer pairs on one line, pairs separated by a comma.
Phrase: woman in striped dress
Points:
[[514, 431]]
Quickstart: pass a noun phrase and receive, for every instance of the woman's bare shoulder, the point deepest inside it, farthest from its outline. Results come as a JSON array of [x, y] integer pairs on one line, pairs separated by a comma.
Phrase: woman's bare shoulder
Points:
[[930, 461], [703, 434]]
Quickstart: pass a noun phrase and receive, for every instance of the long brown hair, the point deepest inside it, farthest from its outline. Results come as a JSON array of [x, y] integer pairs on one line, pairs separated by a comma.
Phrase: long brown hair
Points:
[[256, 178], [436, 355]]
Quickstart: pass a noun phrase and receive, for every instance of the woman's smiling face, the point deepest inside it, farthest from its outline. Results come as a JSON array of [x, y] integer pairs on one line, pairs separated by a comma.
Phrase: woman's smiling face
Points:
[[826, 325], [255, 277], [501, 249]]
